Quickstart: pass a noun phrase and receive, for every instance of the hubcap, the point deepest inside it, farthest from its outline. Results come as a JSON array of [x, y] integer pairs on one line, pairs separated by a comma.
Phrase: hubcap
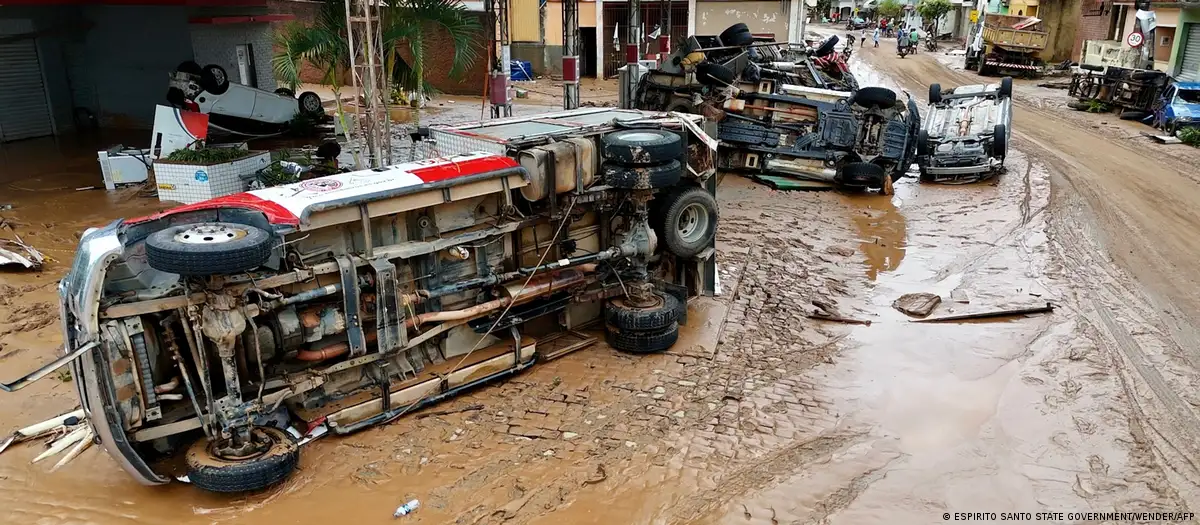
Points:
[[640, 137], [312, 103], [230, 450], [218, 76], [209, 234], [693, 223]]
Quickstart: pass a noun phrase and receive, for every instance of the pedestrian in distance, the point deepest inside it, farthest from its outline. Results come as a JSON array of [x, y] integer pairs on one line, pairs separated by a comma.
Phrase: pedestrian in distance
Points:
[[876, 35], [862, 37]]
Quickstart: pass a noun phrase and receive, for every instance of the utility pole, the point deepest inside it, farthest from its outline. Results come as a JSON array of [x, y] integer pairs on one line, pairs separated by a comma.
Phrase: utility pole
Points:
[[499, 55], [803, 19], [364, 19], [633, 51], [570, 59], [664, 29], [1146, 23]]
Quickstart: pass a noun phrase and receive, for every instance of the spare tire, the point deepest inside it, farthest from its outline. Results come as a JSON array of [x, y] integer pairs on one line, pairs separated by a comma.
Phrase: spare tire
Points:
[[874, 96], [211, 248], [827, 47], [935, 93], [643, 177], [642, 147], [714, 74]]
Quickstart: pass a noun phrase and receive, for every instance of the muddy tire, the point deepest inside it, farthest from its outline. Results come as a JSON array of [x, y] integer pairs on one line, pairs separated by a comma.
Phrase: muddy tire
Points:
[[1000, 141], [688, 222], [1091, 67], [714, 74], [874, 97], [310, 104], [736, 35], [1170, 128], [285, 92], [643, 178], [1005, 90], [648, 342], [215, 474], [935, 93], [214, 248], [619, 314], [642, 147], [190, 67], [826, 47], [214, 79], [862, 174]]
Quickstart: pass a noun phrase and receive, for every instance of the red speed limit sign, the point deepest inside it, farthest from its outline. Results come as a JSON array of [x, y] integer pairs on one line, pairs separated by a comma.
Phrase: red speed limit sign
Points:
[[1135, 39]]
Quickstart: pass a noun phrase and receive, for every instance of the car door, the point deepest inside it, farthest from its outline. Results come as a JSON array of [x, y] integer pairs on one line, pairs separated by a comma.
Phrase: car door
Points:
[[1162, 109]]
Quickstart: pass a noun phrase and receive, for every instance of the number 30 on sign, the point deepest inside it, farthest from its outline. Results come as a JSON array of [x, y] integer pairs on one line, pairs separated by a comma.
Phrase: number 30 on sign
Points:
[[1135, 39]]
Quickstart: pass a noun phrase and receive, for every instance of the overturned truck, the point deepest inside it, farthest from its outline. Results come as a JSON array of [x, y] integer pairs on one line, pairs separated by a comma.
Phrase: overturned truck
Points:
[[347, 301]]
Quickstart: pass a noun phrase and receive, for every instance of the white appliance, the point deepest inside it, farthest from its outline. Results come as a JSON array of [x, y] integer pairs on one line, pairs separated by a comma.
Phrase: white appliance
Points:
[[124, 166]]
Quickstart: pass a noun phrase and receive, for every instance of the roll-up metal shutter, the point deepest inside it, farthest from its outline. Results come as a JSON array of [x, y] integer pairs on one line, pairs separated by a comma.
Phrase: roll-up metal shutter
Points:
[[24, 110], [1189, 68]]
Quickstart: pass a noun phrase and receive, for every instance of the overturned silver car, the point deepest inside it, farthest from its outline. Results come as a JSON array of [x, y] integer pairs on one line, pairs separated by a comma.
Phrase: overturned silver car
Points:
[[966, 132], [347, 301]]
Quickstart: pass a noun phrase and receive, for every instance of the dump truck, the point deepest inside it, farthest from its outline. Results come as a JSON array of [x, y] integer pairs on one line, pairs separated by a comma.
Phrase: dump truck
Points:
[[1006, 44]]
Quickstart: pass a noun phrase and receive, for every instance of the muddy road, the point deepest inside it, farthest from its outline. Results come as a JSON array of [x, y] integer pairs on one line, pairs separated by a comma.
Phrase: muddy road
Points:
[[786, 419]]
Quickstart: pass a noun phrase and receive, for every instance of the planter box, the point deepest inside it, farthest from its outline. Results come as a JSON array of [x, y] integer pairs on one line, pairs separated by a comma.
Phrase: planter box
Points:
[[192, 183]]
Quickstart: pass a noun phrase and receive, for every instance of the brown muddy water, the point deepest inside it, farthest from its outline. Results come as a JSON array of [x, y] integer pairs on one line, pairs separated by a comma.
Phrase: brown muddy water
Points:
[[761, 414]]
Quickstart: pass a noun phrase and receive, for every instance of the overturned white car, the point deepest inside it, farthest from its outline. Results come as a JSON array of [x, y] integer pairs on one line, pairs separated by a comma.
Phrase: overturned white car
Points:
[[965, 133]]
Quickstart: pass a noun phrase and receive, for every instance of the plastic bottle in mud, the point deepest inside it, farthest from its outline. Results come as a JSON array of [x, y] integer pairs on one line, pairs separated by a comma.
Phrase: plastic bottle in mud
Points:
[[406, 508]]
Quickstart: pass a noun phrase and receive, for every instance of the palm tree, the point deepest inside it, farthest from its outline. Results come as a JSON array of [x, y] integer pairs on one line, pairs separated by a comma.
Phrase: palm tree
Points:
[[408, 22]]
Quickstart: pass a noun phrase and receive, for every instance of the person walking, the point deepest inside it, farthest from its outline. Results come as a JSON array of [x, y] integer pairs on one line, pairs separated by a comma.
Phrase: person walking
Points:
[[876, 35], [862, 37]]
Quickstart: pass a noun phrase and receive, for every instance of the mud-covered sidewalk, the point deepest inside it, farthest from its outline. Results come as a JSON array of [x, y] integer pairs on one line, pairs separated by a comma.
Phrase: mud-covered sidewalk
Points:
[[790, 419]]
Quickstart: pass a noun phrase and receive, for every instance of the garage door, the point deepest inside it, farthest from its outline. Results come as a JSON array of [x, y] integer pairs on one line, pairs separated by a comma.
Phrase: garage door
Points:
[[24, 111], [1189, 68]]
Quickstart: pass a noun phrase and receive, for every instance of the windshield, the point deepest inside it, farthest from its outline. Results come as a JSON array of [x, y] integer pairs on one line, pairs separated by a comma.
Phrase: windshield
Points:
[[1191, 96]]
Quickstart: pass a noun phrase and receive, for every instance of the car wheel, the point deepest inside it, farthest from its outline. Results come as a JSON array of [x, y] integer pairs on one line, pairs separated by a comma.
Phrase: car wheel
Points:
[[935, 93], [642, 147], [310, 104], [736, 35], [645, 342], [1091, 67], [667, 310], [214, 79], [278, 457], [862, 174], [714, 74], [999, 141], [688, 222], [874, 96], [923, 142], [827, 47], [285, 92], [1005, 90], [190, 67], [176, 98], [642, 177], [1170, 128], [211, 248]]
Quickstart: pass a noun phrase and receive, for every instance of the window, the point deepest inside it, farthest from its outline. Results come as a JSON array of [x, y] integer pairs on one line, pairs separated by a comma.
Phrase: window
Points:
[[1191, 96]]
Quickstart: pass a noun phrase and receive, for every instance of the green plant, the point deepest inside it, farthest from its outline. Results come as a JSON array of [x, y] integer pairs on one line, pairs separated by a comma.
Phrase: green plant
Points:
[[1189, 136], [1095, 106], [206, 156], [889, 9], [275, 175], [933, 10]]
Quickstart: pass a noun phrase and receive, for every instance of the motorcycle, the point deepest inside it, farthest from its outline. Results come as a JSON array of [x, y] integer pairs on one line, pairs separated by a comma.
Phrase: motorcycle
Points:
[[931, 43], [834, 66], [846, 51], [903, 50]]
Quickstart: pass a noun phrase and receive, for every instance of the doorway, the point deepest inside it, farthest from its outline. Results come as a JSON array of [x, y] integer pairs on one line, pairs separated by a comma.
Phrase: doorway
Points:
[[587, 51]]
